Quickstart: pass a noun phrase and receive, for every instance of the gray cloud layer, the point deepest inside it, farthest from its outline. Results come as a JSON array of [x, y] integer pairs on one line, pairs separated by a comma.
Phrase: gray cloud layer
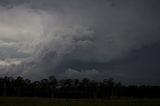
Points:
[[43, 37]]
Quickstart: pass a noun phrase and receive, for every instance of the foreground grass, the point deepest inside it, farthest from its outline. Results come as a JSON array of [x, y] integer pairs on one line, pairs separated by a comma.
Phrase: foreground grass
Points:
[[17, 101]]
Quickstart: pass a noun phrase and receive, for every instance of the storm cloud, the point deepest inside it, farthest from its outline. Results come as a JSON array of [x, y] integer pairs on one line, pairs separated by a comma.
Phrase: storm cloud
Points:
[[76, 39]]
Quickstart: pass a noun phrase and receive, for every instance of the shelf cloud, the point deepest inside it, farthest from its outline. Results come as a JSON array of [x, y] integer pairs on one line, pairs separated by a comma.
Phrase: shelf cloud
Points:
[[39, 38]]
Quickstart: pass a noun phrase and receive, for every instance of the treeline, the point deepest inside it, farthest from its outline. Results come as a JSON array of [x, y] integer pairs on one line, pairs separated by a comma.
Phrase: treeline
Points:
[[74, 88]]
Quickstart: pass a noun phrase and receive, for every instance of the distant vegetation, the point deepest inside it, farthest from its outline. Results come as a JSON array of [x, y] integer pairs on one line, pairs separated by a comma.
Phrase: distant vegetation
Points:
[[74, 88]]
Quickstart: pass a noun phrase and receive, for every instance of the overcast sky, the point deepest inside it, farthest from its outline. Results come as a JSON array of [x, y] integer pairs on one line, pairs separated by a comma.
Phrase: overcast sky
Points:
[[97, 39]]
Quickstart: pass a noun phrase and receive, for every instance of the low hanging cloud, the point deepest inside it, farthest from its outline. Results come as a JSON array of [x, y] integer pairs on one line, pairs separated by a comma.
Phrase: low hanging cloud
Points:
[[80, 74], [42, 34]]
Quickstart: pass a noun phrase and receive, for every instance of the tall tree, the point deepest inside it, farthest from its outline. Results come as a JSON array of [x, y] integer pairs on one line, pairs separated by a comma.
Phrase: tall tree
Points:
[[19, 83], [52, 85]]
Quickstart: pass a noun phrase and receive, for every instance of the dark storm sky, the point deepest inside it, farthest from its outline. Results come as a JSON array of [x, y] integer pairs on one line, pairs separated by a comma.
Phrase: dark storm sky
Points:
[[96, 39]]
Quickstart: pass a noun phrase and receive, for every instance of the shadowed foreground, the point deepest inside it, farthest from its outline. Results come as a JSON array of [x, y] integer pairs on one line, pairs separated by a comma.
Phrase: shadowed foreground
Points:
[[17, 101]]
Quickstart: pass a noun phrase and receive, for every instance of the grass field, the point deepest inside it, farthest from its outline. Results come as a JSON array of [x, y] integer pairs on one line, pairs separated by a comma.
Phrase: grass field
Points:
[[16, 101]]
